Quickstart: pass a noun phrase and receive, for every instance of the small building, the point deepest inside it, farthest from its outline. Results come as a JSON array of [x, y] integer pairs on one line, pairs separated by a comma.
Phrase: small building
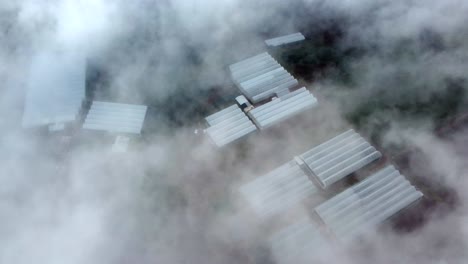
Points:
[[283, 40]]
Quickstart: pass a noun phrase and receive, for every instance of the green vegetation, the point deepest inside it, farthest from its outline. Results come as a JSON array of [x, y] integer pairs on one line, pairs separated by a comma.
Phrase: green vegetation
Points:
[[438, 107], [312, 60]]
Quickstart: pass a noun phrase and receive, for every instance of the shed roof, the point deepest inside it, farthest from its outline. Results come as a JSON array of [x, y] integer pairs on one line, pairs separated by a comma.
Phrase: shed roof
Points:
[[228, 125], [282, 108], [55, 88], [286, 39], [368, 203], [115, 117], [338, 157]]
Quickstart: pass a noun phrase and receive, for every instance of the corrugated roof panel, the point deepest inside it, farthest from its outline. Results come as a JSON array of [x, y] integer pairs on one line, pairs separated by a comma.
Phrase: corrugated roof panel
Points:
[[242, 63], [55, 89], [271, 84], [115, 117], [291, 38], [299, 241], [219, 116], [267, 84], [278, 190], [282, 108], [339, 157], [281, 86], [228, 125], [118, 106], [263, 77], [260, 76], [368, 203], [253, 69]]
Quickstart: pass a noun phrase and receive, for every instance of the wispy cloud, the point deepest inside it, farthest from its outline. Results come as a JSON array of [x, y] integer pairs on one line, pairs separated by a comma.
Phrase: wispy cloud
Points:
[[172, 198]]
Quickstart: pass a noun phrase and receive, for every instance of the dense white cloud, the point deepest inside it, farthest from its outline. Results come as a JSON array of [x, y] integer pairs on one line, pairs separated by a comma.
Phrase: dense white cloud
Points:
[[172, 198]]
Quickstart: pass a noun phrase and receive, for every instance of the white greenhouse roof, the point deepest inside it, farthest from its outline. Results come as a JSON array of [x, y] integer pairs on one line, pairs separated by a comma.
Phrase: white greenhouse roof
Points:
[[282, 108], [55, 87], [291, 38], [115, 117], [278, 190], [297, 243], [261, 77], [338, 157], [368, 203], [228, 125]]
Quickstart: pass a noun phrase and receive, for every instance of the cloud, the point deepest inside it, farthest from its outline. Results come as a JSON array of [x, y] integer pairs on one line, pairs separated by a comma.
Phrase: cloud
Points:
[[172, 197]]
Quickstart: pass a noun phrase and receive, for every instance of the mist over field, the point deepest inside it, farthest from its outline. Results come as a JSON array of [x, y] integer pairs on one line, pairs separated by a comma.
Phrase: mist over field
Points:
[[394, 70]]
